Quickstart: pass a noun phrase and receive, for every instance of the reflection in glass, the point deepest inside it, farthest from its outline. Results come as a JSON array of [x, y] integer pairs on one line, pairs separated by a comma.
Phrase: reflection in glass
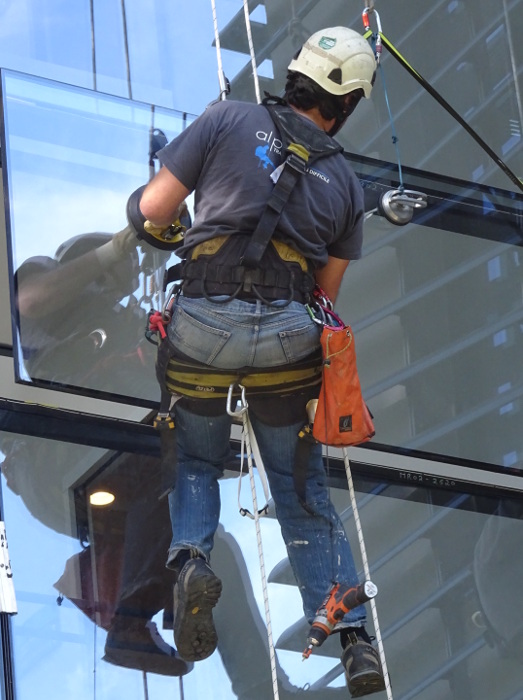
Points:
[[436, 307], [94, 595], [73, 159]]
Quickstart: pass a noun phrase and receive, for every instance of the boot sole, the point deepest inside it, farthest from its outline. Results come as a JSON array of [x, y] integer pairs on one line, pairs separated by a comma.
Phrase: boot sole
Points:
[[366, 684], [168, 666], [195, 636]]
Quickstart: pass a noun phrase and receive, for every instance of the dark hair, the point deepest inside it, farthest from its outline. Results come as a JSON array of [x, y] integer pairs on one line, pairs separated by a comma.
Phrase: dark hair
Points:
[[302, 92]]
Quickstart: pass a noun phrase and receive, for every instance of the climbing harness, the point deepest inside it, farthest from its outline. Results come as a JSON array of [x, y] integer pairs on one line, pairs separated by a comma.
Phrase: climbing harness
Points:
[[250, 444], [283, 274], [383, 41]]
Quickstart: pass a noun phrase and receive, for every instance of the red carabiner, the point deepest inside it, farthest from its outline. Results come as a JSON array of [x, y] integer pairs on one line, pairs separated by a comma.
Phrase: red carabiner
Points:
[[366, 24]]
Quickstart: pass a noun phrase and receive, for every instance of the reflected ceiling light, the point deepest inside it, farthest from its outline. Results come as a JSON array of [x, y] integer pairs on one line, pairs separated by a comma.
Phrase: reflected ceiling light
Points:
[[101, 498]]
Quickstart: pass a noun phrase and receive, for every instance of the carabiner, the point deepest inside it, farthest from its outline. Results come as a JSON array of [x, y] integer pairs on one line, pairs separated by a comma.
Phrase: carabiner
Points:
[[243, 401], [377, 35]]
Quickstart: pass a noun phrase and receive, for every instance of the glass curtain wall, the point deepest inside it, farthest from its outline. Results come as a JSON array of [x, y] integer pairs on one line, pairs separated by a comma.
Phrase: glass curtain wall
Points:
[[163, 53], [94, 598], [435, 306], [435, 303]]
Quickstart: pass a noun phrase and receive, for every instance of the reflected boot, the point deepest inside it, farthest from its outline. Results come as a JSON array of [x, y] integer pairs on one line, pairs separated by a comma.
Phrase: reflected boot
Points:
[[361, 662], [134, 642], [196, 592]]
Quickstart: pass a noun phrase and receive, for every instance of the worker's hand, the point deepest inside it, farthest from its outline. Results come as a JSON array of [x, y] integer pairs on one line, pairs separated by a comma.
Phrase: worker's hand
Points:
[[166, 237], [119, 247]]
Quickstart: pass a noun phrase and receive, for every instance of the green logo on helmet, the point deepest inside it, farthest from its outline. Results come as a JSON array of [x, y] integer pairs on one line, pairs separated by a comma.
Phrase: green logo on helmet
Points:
[[327, 42]]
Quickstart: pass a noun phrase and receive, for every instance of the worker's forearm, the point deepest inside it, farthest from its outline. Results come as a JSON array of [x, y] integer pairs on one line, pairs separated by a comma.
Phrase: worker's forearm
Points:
[[162, 198]]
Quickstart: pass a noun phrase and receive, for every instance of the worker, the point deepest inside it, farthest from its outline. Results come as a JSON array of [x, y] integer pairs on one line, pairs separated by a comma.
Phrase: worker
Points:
[[232, 313]]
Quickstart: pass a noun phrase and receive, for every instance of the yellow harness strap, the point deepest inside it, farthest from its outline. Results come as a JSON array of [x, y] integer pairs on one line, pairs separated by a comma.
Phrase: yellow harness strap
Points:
[[286, 253], [198, 381]]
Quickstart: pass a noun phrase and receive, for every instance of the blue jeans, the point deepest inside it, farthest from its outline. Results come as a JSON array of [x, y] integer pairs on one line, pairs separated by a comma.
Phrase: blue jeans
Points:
[[234, 335]]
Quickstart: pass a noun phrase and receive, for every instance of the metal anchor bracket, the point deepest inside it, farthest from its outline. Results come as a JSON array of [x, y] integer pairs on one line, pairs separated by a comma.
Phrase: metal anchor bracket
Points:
[[397, 206]]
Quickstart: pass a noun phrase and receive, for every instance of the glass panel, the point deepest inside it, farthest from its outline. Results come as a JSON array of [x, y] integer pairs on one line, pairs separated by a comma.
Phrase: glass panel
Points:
[[72, 159], [171, 54], [110, 52], [436, 306], [450, 617], [50, 38]]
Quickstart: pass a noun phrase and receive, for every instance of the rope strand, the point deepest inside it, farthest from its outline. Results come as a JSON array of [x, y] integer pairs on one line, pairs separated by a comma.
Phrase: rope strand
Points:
[[366, 570], [247, 431], [251, 51], [221, 75]]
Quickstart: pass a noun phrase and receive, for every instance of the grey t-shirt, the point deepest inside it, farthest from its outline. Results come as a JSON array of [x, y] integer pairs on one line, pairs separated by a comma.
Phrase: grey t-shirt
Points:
[[227, 156]]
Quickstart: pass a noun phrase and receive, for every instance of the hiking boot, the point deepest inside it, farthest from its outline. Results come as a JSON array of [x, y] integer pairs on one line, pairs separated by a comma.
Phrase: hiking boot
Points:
[[363, 669], [136, 643], [195, 594]]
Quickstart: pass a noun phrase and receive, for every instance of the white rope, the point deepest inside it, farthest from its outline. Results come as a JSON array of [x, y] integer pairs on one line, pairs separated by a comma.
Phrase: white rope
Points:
[[247, 428], [366, 570], [221, 75], [255, 452], [251, 51]]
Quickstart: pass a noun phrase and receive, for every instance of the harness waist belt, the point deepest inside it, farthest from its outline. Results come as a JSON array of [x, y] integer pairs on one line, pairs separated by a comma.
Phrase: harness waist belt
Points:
[[201, 381], [204, 277]]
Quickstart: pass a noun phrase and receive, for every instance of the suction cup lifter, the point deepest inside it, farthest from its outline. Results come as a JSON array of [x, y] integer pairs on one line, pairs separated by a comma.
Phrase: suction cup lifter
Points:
[[397, 206]]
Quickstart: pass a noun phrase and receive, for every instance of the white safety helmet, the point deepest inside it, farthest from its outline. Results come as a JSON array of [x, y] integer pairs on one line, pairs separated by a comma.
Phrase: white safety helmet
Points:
[[338, 59]]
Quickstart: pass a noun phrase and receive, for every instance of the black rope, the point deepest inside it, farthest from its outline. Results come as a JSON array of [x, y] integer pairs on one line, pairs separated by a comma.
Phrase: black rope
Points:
[[432, 91]]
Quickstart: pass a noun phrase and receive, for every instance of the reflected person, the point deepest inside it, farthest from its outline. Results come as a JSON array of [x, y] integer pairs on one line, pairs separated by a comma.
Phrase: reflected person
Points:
[[76, 330]]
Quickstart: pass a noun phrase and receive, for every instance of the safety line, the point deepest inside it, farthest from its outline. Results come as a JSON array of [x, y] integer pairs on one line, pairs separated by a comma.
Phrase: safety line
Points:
[[366, 570], [394, 134], [251, 51], [435, 94], [247, 428], [221, 76]]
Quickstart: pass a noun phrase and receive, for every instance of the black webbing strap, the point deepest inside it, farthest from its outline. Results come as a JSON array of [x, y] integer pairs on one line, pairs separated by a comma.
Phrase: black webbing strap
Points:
[[301, 465], [236, 274], [294, 166], [164, 422], [303, 143]]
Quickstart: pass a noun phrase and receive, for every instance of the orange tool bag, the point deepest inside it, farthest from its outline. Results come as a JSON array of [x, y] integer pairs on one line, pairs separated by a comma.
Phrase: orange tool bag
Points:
[[342, 417]]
